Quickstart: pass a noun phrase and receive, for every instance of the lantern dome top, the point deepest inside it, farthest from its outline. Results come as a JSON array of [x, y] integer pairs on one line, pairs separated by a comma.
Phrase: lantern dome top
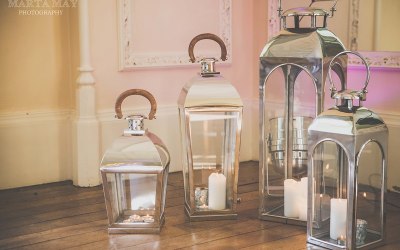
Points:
[[305, 11], [320, 44], [140, 154], [344, 117], [340, 120], [213, 91]]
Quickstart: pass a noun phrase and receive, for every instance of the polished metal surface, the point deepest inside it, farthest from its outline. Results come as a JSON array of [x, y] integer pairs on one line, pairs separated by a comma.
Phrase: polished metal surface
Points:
[[208, 67], [134, 172], [210, 91], [300, 15], [276, 144], [355, 139], [144, 154], [305, 48], [135, 125], [210, 114]]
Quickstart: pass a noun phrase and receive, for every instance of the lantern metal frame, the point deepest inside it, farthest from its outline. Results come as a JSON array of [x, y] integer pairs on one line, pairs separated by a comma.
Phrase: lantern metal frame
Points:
[[265, 211], [294, 49], [351, 128], [207, 93], [137, 152]]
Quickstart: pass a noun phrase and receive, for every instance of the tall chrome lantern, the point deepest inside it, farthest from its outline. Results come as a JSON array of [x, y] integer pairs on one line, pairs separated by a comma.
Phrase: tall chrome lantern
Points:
[[210, 111], [347, 173], [134, 171], [301, 53]]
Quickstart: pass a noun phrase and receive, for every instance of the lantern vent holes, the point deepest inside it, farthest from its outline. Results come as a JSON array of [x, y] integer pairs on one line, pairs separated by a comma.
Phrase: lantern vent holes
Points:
[[208, 67], [135, 125], [303, 20]]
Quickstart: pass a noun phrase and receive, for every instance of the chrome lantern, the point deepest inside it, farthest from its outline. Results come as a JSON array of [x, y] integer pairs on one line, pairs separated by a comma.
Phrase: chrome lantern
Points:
[[347, 173], [134, 171], [210, 112], [293, 69]]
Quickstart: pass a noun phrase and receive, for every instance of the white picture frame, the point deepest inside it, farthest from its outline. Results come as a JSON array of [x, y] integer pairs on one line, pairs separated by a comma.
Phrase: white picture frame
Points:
[[130, 58]]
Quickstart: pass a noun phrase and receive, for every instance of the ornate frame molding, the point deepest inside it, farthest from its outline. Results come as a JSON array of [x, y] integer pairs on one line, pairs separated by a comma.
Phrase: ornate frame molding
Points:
[[129, 60], [376, 59]]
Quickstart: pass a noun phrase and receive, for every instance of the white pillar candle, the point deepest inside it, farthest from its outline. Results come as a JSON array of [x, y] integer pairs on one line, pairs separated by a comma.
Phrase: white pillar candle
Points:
[[338, 218], [302, 198], [290, 187], [216, 191]]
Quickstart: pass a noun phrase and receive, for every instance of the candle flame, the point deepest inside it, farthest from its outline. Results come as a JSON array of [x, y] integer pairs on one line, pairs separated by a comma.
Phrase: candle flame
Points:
[[365, 194], [327, 166]]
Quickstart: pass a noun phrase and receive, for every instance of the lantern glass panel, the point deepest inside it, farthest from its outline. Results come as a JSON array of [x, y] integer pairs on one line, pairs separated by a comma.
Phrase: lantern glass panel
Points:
[[329, 205], [185, 160], [369, 194], [213, 141], [132, 194], [295, 100]]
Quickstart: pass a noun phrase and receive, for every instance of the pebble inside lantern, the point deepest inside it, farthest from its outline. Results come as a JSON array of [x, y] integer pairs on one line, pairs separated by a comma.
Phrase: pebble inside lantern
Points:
[[134, 172], [210, 111], [301, 54], [347, 173]]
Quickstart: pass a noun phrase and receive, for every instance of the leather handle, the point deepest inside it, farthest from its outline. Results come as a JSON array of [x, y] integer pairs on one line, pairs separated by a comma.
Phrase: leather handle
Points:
[[140, 92], [208, 36]]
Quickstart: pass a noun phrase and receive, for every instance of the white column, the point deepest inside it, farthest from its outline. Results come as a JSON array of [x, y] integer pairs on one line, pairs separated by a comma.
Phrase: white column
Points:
[[86, 125]]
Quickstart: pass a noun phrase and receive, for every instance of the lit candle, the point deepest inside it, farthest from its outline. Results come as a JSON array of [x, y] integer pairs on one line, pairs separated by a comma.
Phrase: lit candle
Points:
[[341, 240], [216, 191], [338, 218], [148, 218], [290, 187]]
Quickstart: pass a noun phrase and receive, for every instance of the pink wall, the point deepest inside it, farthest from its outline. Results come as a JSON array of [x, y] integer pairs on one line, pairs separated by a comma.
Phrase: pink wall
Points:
[[383, 89], [249, 35], [166, 83]]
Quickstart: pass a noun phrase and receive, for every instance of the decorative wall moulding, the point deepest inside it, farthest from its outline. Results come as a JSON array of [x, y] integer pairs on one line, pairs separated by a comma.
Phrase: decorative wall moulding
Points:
[[376, 59], [141, 44]]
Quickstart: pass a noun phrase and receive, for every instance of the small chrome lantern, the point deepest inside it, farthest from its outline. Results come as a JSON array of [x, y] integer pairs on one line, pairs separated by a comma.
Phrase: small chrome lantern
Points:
[[134, 172], [210, 111], [301, 53], [347, 173]]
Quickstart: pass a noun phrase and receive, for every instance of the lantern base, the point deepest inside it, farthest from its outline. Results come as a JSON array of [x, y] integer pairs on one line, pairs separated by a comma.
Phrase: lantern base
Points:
[[139, 228], [210, 215], [282, 219], [373, 240]]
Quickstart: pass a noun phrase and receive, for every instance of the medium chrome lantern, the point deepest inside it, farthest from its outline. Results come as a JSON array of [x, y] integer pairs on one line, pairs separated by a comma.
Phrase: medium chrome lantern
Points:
[[210, 111], [301, 53], [134, 171], [347, 173]]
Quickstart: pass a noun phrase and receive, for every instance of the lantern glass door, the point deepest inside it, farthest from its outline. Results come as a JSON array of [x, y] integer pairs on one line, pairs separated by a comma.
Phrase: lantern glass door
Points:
[[213, 137], [329, 192], [133, 196], [369, 195], [289, 95]]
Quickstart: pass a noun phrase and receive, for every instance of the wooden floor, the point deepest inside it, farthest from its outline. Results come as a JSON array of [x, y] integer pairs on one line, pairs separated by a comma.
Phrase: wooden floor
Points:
[[60, 216]]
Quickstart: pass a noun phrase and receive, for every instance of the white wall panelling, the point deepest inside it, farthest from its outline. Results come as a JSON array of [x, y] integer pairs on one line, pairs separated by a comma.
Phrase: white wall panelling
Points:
[[35, 148], [45, 142]]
